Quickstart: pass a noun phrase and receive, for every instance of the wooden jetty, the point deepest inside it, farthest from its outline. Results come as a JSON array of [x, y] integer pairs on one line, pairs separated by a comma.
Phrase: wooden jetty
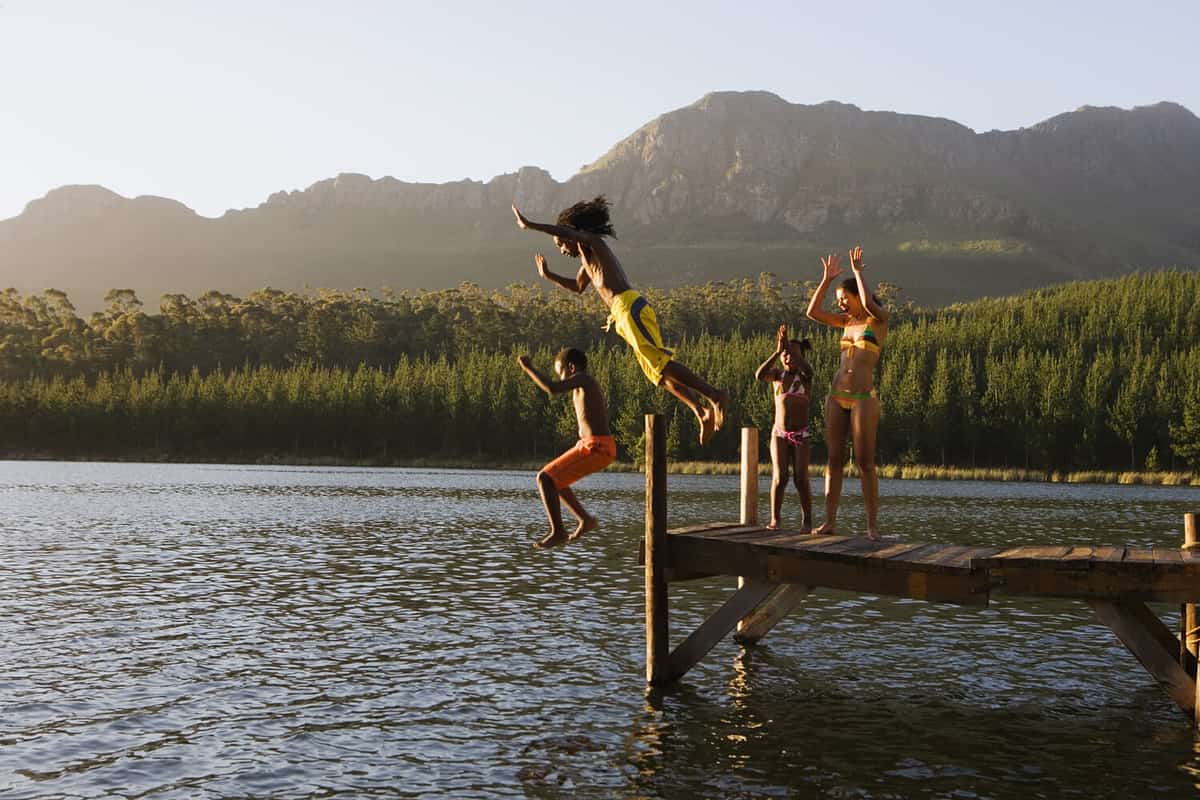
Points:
[[775, 570]]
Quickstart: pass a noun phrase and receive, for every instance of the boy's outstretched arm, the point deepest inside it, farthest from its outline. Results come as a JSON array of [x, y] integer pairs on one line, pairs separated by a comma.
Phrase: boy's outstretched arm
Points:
[[561, 231], [545, 384]]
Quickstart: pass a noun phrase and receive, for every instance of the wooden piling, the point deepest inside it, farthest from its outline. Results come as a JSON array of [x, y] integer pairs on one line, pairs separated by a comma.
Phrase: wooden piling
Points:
[[657, 644], [749, 507], [1189, 636]]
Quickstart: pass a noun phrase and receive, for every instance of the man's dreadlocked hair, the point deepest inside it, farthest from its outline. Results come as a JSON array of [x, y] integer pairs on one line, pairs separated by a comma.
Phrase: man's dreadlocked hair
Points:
[[590, 216]]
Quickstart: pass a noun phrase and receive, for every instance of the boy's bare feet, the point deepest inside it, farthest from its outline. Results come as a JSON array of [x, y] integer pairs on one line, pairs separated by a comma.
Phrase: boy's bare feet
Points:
[[585, 525], [552, 539], [720, 406], [873, 534], [826, 529], [707, 425]]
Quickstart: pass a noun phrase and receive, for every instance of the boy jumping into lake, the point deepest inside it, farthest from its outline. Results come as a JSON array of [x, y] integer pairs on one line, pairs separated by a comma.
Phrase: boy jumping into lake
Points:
[[580, 233], [594, 451]]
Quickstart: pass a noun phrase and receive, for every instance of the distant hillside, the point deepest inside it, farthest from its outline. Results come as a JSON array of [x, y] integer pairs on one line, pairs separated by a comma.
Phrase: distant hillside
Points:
[[732, 185]]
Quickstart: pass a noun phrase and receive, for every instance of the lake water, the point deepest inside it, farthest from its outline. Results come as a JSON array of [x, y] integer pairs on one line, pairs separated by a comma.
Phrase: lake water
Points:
[[180, 631]]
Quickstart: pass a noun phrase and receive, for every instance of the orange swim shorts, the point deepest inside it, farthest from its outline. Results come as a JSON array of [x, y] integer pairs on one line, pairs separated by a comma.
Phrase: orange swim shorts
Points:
[[587, 456]]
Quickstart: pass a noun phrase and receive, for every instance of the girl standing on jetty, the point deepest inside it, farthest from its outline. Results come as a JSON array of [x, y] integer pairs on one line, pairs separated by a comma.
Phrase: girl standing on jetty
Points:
[[853, 404], [792, 386]]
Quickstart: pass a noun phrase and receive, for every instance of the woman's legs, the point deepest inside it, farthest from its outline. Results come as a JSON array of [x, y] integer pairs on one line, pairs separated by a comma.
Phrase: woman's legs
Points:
[[780, 457], [864, 422], [837, 424]]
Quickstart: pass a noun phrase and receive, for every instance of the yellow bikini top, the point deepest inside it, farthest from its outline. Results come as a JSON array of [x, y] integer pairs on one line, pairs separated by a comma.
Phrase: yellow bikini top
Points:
[[864, 341]]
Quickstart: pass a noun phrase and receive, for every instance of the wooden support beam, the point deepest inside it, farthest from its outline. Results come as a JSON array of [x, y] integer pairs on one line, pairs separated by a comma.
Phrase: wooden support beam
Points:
[[1130, 622], [755, 625], [656, 556], [711, 631]]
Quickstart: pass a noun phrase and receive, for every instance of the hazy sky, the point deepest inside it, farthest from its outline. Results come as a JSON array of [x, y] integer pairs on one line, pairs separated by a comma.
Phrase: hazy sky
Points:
[[217, 104]]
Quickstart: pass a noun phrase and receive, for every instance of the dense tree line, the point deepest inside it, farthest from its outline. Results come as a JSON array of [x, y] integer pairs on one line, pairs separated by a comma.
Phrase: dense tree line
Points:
[[1087, 375]]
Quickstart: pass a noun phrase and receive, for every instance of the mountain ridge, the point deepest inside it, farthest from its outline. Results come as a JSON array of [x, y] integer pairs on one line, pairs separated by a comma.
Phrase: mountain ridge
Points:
[[731, 185]]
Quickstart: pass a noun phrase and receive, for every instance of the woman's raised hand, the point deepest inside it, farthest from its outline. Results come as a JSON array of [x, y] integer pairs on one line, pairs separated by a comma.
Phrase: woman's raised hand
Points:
[[831, 265], [856, 259], [540, 260], [782, 338], [521, 221]]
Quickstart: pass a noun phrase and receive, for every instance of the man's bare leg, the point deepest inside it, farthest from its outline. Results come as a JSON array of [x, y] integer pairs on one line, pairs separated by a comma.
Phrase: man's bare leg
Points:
[[718, 397], [704, 415], [586, 521], [550, 494]]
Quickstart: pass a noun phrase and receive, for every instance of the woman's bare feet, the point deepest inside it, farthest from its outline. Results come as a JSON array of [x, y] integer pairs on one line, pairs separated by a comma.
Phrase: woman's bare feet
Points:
[[873, 534], [552, 539], [806, 529], [773, 525], [826, 529], [586, 524]]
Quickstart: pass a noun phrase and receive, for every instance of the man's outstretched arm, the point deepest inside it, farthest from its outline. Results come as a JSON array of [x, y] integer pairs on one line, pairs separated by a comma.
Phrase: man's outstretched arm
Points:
[[545, 384], [561, 231]]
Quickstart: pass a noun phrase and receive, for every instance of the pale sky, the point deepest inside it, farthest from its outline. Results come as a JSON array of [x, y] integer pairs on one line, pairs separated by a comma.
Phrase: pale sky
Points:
[[218, 104]]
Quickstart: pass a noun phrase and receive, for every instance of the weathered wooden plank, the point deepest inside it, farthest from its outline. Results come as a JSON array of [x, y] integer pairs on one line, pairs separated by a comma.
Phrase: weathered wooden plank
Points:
[[1079, 556], [724, 531], [900, 559], [966, 558], [713, 629], [1129, 625], [963, 588], [929, 559], [1139, 555], [1170, 587], [706, 527], [755, 625], [1023, 556], [1106, 557], [946, 558], [896, 549], [1167, 557], [821, 541]]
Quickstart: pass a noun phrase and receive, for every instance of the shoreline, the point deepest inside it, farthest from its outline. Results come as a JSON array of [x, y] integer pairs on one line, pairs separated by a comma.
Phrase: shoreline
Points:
[[888, 471]]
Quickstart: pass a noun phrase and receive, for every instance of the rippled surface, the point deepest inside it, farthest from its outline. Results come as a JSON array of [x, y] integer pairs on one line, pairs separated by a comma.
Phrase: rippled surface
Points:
[[197, 631]]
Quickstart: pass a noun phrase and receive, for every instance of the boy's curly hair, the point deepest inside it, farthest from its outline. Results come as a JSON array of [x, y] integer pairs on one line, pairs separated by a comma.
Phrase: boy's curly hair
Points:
[[590, 216]]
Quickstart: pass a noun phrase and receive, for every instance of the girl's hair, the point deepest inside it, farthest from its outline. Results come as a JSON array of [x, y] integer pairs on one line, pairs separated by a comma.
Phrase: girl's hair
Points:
[[804, 344], [850, 286], [590, 216], [571, 355]]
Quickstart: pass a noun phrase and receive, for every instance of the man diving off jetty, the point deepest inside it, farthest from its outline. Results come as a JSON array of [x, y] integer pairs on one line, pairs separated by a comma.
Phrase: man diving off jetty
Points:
[[580, 233]]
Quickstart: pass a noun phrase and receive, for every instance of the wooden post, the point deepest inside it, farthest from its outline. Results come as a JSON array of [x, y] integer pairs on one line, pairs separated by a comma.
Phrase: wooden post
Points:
[[657, 645], [1189, 637], [749, 515]]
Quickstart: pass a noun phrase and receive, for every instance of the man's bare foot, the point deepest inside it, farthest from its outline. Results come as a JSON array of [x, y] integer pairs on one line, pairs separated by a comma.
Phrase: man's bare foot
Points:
[[586, 524], [826, 529], [707, 425], [552, 539], [719, 408], [873, 535]]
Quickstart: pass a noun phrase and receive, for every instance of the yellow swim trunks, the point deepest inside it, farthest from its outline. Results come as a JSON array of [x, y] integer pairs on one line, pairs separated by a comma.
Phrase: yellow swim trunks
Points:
[[635, 321]]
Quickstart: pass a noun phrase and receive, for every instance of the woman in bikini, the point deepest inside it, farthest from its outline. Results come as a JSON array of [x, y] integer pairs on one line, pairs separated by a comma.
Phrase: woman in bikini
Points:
[[853, 405], [790, 435]]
